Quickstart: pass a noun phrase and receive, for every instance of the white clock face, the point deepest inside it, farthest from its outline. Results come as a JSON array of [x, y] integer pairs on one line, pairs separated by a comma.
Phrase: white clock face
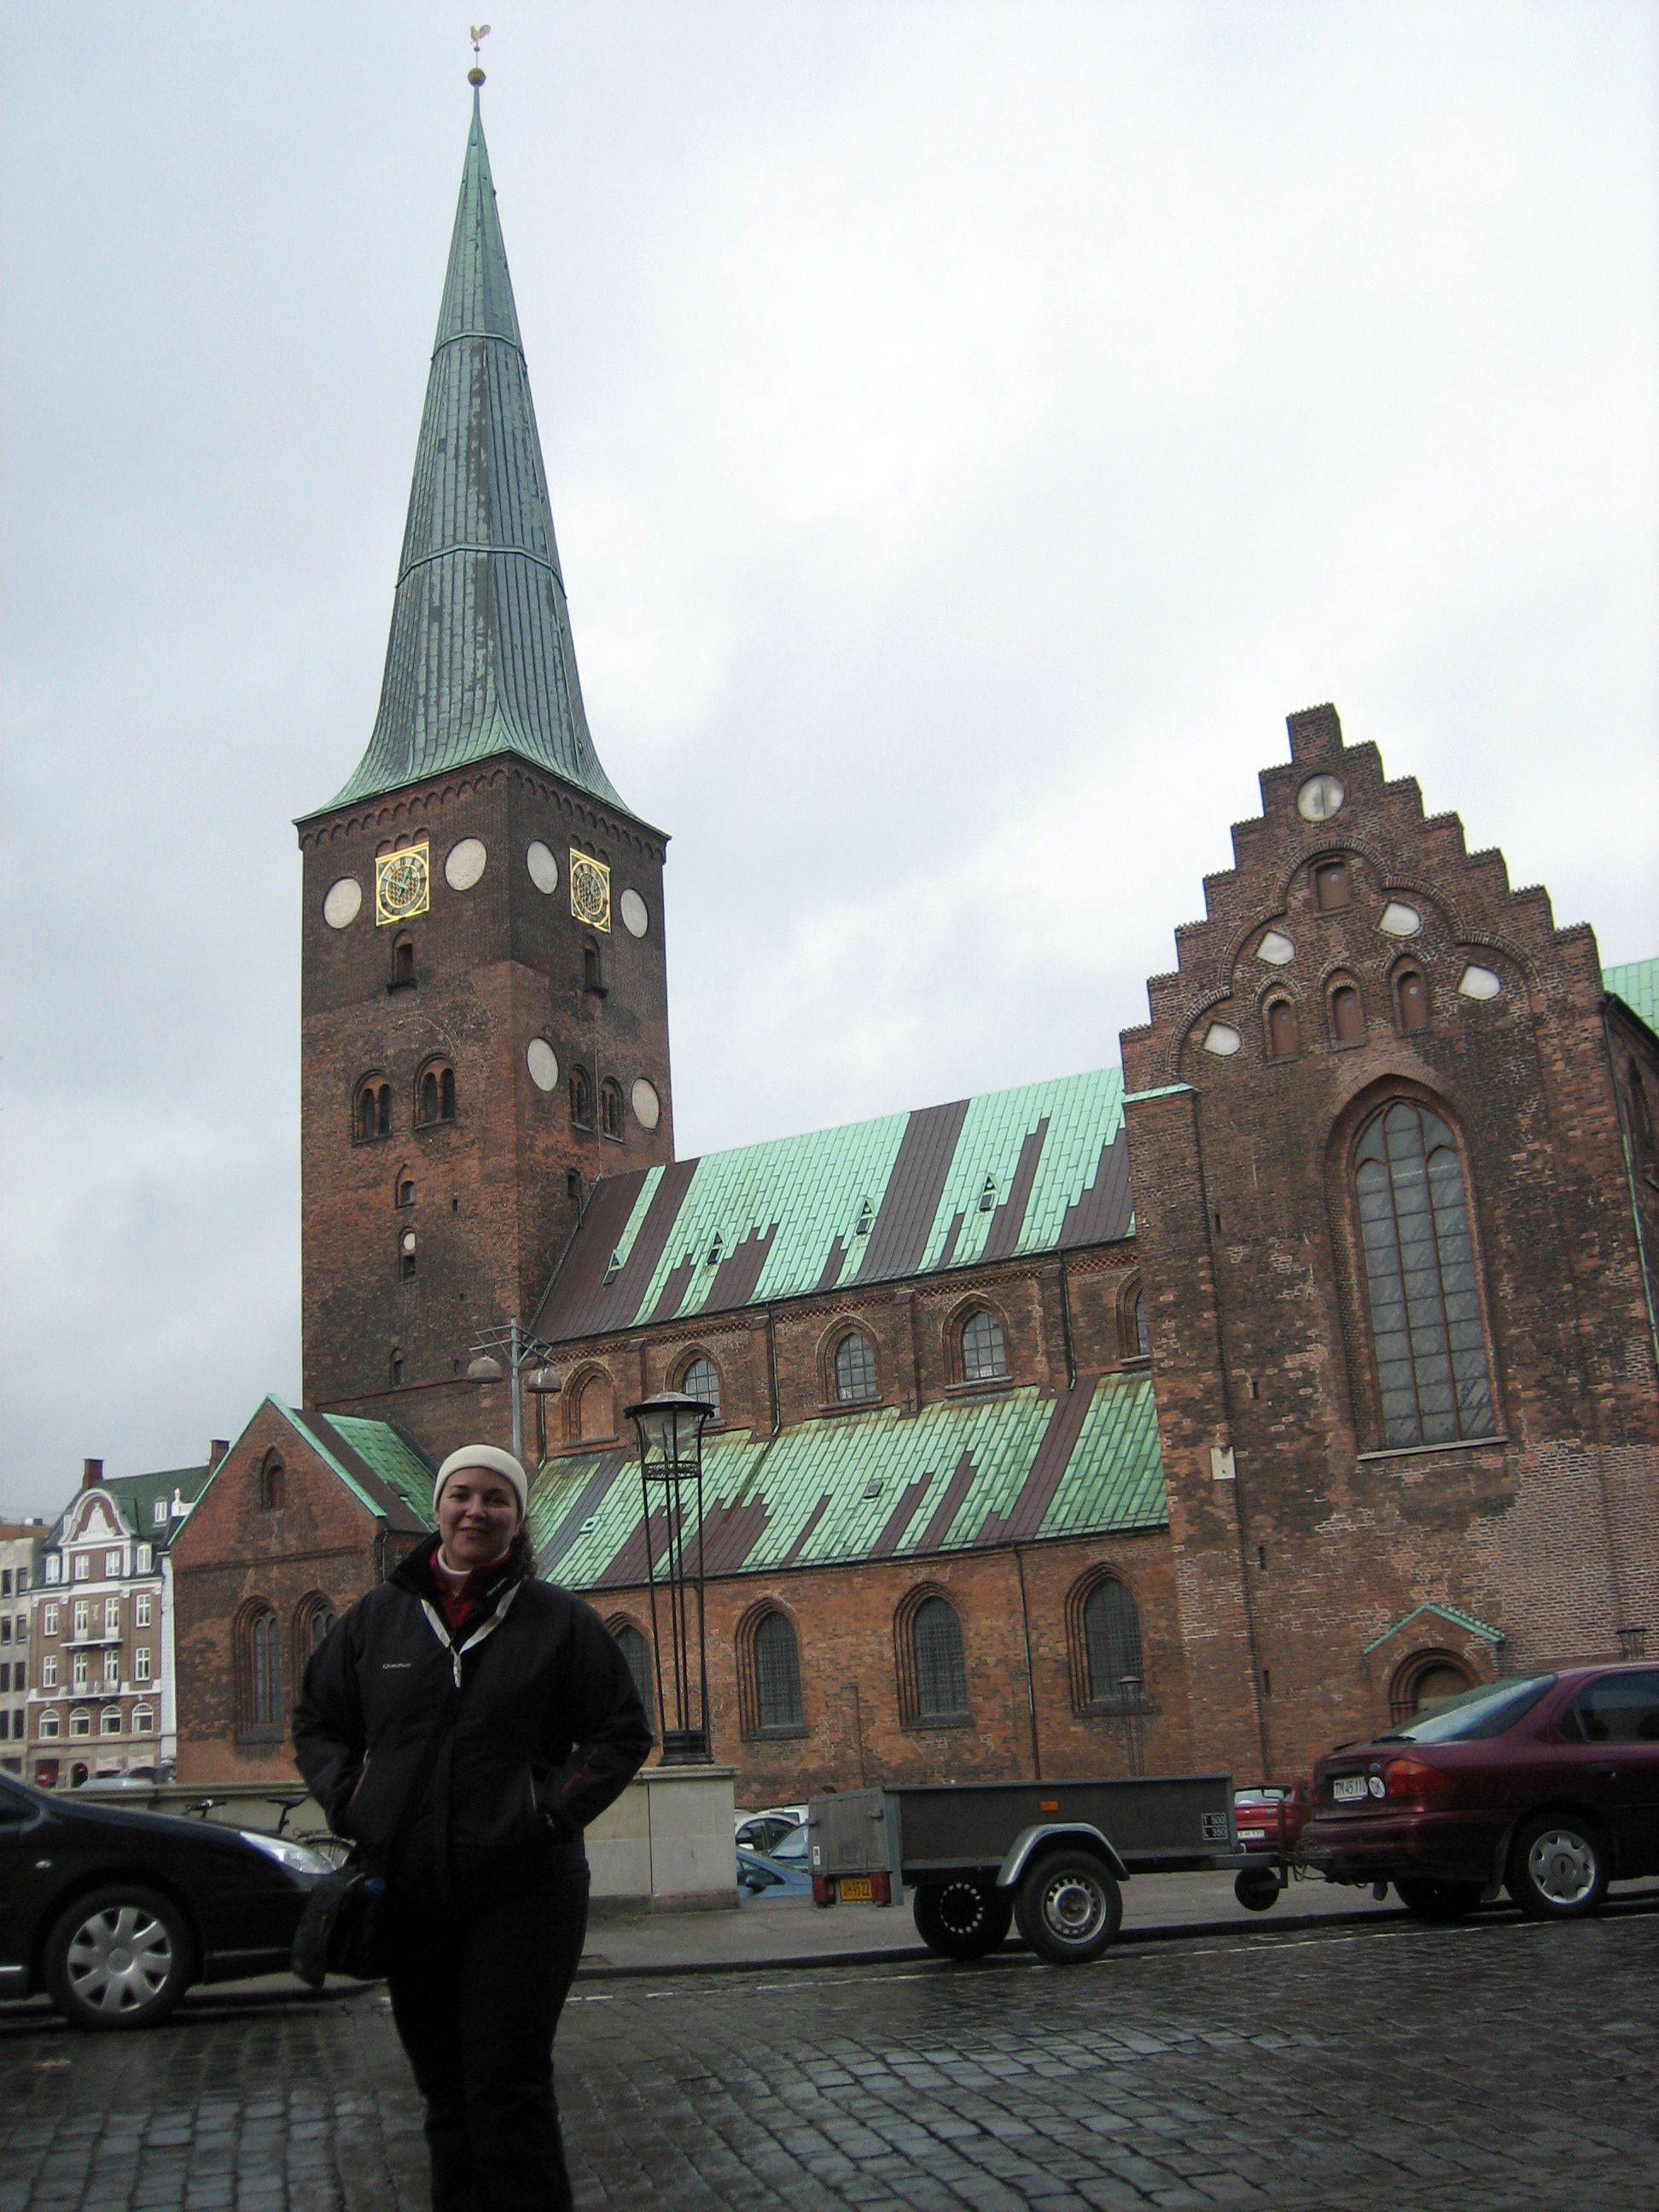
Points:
[[1320, 797]]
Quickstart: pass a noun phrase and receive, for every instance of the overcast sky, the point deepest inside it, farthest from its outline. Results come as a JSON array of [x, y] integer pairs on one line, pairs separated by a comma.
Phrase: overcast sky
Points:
[[971, 430]]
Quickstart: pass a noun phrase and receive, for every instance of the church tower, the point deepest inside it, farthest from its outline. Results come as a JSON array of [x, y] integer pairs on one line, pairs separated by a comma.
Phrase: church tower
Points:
[[484, 984]]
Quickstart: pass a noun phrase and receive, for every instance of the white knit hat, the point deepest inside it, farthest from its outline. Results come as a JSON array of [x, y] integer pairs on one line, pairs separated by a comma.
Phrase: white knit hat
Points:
[[496, 1462]]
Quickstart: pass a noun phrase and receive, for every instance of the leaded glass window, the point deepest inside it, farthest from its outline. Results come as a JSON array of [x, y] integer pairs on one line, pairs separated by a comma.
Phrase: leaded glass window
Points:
[[941, 1677], [1427, 1331], [637, 1652], [1111, 1642], [984, 1358], [266, 1678], [777, 1674], [855, 1369], [702, 1380]]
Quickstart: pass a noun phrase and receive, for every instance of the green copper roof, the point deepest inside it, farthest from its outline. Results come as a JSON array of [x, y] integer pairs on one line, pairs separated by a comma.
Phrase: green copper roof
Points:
[[136, 1498], [1041, 1169], [1452, 1614], [392, 1457], [963, 1475], [480, 660], [1638, 984]]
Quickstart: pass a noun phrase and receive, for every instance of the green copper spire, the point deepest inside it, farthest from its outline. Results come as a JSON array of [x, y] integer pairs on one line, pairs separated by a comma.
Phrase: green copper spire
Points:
[[480, 660]]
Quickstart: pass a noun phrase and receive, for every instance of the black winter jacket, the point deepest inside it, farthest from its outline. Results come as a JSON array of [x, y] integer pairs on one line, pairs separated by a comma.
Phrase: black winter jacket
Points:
[[540, 1727]]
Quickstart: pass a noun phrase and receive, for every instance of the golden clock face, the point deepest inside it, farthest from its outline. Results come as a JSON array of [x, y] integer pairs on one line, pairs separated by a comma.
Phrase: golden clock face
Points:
[[590, 891], [402, 884]]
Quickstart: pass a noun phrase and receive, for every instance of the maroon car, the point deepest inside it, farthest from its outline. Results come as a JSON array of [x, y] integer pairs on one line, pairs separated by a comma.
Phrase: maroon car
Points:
[[1544, 1784], [1270, 1816]]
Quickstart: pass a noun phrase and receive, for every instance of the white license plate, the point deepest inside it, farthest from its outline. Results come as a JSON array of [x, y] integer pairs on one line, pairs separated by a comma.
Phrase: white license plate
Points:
[[1348, 1788], [1253, 1835]]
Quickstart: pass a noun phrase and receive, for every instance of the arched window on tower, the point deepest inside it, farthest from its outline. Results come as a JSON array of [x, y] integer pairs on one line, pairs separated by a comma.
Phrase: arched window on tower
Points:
[[855, 1369], [610, 1107], [581, 1098], [1428, 1335], [1284, 1039], [434, 1095], [1347, 1014], [371, 1109], [592, 975], [1333, 885], [402, 961]]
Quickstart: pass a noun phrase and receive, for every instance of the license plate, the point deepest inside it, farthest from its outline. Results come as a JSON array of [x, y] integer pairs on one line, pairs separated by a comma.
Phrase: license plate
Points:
[[1348, 1788], [855, 1889], [1253, 1835]]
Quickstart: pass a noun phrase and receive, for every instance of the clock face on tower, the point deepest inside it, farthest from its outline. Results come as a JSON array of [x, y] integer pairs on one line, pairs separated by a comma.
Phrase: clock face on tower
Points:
[[590, 891], [402, 884]]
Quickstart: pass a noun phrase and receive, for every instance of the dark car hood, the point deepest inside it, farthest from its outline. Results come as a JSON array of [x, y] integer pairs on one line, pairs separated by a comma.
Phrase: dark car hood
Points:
[[152, 1827]]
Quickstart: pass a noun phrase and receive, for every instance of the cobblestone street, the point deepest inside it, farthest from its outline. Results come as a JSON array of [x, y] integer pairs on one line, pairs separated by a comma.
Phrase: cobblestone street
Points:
[[1494, 2065]]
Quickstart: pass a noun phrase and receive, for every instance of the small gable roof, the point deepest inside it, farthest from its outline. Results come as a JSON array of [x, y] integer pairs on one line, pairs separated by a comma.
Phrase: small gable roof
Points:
[[963, 1475], [1637, 984], [1043, 1168], [1452, 1614]]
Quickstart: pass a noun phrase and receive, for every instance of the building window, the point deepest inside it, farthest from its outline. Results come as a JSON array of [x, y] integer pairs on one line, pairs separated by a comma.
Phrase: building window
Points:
[[937, 1683], [434, 1095], [611, 1109], [769, 1674], [80, 1721], [702, 1380], [1411, 998], [143, 1720], [984, 1355], [593, 980], [855, 1371], [1427, 1337], [1108, 1672], [402, 1193], [113, 1566], [109, 1720], [111, 1668], [314, 1617], [1132, 1342], [259, 1675], [1333, 885], [1284, 1038], [140, 1606], [158, 1513], [408, 1255], [82, 1618], [1347, 1015], [82, 1571], [272, 1483], [581, 1098], [49, 1671], [80, 1671], [141, 1664], [49, 1726], [143, 1559], [112, 1616], [403, 962], [637, 1652], [371, 1110], [49, 1620]]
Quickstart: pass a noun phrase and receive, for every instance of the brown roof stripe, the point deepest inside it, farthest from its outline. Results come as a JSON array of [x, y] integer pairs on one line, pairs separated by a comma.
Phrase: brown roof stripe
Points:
[[738, 1273], [733, 1533], [898, 1236], [900, 1519], [1054, 1454], [1010, 1217], [1105, 1211], [939, 1524], [807, 1527]]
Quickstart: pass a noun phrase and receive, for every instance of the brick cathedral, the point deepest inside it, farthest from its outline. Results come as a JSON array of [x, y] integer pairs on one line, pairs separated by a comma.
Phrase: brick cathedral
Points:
[[1191, 1412]]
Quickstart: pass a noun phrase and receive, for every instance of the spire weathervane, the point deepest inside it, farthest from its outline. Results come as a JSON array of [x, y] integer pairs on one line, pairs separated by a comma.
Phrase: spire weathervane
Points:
[[479, 33]]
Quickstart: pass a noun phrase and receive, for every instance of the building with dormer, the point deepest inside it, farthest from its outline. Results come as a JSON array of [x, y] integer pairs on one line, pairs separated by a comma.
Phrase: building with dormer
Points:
[[1193, 1412]]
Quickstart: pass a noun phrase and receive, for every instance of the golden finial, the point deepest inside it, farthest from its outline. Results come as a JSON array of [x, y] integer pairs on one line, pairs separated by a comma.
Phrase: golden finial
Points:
[[479, 33]]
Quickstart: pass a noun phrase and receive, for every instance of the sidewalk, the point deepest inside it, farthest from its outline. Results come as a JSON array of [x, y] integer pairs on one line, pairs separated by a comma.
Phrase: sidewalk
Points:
[[793, 1932]]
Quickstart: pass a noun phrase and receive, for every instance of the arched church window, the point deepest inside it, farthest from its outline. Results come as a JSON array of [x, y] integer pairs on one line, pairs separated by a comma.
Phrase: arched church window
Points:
[[610, 1107], [855, 1369], [984, 1354], [702, 1380], [1428, 1337], [434, 1095], [1412, 997], [581, 1098], [1284, 1040], [371, 1109]]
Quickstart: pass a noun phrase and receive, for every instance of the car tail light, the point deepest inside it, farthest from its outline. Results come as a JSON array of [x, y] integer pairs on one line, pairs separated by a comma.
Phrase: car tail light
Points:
[[1411, 1780], [881, 1889], [823, 1889]]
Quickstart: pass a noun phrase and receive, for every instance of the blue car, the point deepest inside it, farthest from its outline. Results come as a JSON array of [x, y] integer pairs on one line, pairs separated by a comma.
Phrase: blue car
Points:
[[759, 1877]]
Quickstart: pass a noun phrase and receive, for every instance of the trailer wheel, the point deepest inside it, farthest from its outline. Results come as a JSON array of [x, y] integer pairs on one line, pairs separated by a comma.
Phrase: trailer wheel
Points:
[[1256, 1889], [962, 1919], [1069, 1906]]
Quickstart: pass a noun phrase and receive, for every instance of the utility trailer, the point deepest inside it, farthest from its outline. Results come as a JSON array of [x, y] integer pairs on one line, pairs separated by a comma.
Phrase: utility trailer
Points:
[[1049, 1855]]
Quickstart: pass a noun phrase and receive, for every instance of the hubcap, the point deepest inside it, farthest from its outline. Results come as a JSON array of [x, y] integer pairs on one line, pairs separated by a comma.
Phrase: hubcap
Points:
[[1072, 1907], [119, 1959], [1562, 1866]]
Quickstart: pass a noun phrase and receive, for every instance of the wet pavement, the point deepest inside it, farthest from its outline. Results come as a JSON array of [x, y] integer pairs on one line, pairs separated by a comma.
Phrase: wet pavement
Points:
[[1383, 2065]]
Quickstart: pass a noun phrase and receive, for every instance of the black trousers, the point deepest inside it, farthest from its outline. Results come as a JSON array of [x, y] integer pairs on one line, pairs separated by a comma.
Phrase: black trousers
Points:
[[476, 1993]]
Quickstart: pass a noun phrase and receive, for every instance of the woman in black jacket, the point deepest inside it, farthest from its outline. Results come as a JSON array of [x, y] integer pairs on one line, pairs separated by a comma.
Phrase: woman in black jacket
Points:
[[462, 1724]]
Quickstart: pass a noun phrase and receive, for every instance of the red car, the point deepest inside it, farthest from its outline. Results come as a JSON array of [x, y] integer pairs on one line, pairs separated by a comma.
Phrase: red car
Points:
[[1544, 1784], [1270, 1816]]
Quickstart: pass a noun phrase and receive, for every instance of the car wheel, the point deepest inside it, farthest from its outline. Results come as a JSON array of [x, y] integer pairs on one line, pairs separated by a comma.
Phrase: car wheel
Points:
[[962, 1920], [119, 1957], [1558, 1867], [1436, 1900], [1069, 1906], [1256, 1890]]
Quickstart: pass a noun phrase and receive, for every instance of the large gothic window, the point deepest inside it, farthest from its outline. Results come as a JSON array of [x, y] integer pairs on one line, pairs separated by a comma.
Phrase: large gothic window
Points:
[[984, 1355], [855, 1371], [771, 1668], [1111, 1644], [1426, 1333], [936, 1692], [702, 1380]]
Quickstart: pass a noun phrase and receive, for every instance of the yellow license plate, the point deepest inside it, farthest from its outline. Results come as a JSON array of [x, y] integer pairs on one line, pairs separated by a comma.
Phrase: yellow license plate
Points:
[[855, 1889]]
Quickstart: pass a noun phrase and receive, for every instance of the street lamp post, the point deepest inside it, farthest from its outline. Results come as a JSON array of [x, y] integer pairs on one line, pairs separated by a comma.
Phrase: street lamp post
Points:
[[670, 1428], [522, 1352]]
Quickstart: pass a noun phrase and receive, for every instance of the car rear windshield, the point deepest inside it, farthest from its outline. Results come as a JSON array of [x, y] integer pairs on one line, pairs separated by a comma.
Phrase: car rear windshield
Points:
[[1477, 1713]]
